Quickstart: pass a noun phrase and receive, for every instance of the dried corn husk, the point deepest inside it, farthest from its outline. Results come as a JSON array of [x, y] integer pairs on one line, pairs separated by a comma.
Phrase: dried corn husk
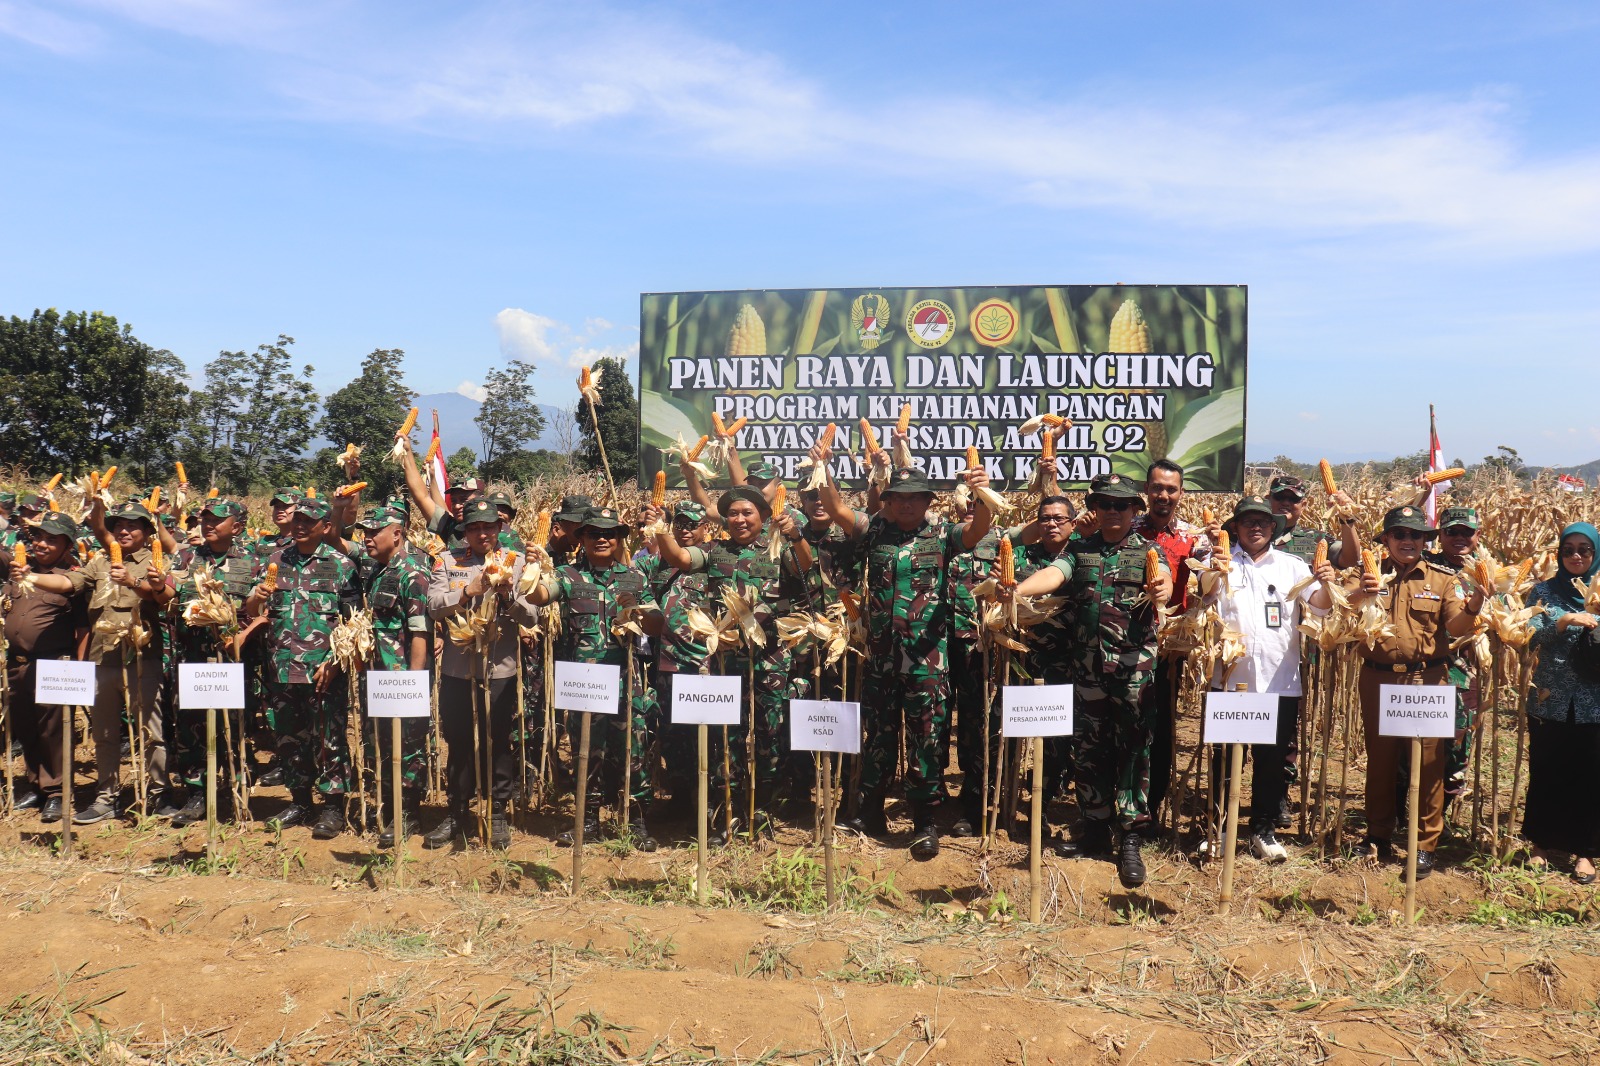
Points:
[[402, 437], [352, 641], [589, 384]]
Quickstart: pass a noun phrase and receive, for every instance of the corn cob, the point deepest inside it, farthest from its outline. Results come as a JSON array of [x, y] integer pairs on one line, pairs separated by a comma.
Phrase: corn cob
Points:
[[19, 554], [1152, 565], [1008, 563], [738, 424], [350, 454], [1322, 555], [658, 493], [869, 439], [828, 433], [1484, 572], [718, 426], [1369, 563], [694, 453], [114, 552], [154, 501], [211, 493], [749, 334], [1047, 448], [1435, 476], [904, 425], [1524, 568], [1054, 420], [541, 529], [1129, 334], [311, 492], [183, 475], [852, 604], [351, 489], [585, 378], [54, 506], [433, 450], [974, 460], [53, 482], [158, 558], [1224, 554], [272, 575], [94, 480], [409, 424], [111, 472], [1325, 468], [780, 499]]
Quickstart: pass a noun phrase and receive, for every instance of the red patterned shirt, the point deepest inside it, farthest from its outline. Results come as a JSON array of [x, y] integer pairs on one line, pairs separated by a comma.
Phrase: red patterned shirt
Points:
[[1182, 543]]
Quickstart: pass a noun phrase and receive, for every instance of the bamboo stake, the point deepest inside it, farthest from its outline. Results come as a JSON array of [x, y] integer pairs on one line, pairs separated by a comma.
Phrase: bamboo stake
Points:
[[1230, 835], [488, 749], [582, 797], [211, 782], [750, 745], [624, 805], [1497, 649], [399, 805], [1520, 703], [523, 795], [1414, 790], [1347, 711], [1477, 762], [377, 771], [600, 439], [1036, 831], [1314, 694], [703, 789], [67, 808], [988, 711], [353, 702], [827, 809]]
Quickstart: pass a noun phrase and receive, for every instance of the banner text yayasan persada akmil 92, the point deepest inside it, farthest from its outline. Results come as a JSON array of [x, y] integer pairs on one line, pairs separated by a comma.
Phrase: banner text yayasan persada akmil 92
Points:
[[791, 361]]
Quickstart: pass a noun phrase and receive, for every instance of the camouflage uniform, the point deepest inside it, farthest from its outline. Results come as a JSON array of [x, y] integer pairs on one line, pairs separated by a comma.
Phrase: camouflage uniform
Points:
[[199, 644], [397, 596], [313, 592], [1302, 543], [1112, 658], [1461, 674], [591, 600]]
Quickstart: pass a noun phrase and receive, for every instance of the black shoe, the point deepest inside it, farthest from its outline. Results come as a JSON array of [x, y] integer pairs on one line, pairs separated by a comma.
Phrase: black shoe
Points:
[[98, 811], [1377, 848], [764, 824], [272, 778], [191, 812], [172, 800], [870, 819], [50, 811], [967, 823], [29, 799], [1285, 818], [1090, 838], [499, 827], [591, 825], [925, 835], [298, 812], [638, 834], [386, 838], [1130, 864], [719, 833], [1424, 864], [330, 820], [451, 828]]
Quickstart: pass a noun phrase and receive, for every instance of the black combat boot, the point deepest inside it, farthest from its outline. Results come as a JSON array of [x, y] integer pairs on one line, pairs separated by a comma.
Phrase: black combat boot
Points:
[[925, 833]]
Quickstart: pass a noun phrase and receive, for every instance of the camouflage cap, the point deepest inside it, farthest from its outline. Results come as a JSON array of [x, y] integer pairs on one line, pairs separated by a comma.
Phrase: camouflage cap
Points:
[[8, 499], [747, 493], [29, 501], [573, 508], [313, 507], [479, 511], [503, 499], [1459, 516], [688, 511], [601, 518], [1288, 483], [470, 485], [908, 479], [287, 494], [1114, 487], [56, 524], [379, 517], [1407, 518], [761, 471], [132, 511], [222, 508]]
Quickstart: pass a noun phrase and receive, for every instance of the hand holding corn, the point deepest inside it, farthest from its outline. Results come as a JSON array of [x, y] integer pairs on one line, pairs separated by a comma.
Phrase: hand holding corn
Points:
[[402, 436]]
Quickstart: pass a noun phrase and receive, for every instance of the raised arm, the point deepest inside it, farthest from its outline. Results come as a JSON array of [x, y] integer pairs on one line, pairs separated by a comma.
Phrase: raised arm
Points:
[[975, 529], [696, 487], [425, 501], [842, 514]]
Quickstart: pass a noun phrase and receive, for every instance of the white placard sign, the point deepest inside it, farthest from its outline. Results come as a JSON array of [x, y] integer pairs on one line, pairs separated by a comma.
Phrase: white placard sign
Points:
[[594, 688], [1037, 711], [706, 699], [63, 683], [825, 725], [206, 686], [399, 694], [1417, 711], [1241, 718]]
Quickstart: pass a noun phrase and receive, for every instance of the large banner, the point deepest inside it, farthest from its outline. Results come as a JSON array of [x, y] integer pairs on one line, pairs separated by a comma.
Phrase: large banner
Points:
[[1142, 372]]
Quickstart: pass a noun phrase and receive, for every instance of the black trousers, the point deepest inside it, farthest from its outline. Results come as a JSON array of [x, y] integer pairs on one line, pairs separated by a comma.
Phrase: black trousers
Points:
[[464, 768], [1268, 783]]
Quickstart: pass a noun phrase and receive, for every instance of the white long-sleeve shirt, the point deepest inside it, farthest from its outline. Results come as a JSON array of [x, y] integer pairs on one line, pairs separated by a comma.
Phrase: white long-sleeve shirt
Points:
[[1271, 660]]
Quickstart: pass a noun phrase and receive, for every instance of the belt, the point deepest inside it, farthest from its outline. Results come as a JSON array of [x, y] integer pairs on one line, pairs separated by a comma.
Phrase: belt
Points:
[[1404, 668]]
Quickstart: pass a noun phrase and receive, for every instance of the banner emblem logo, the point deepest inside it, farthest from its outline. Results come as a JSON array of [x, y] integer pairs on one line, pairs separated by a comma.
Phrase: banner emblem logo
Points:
[[930, 323], [994, 322], [870, 316]]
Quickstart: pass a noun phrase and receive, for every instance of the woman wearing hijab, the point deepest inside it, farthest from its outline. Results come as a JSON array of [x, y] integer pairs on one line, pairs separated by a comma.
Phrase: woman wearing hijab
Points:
[[1564, 712]]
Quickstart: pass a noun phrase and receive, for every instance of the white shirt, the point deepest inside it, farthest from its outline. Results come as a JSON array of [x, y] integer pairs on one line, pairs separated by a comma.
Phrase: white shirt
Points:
[[1271, 661]]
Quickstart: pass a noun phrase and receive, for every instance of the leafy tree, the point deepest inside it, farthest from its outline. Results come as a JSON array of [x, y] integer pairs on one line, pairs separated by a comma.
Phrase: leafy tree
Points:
[[508, 418], [461, 464], [251, 422], [1506, 460], [618, 415], [366, 412], [84, 391]]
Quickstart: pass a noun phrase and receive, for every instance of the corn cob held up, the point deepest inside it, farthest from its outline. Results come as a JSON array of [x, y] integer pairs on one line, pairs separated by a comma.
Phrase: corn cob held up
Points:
[[902, 443], [1433, 477], [158, 557], [1008, 562], [997, 504], [183, 475], [402, 436], [1325, 468], [114, 553], [658, 489]]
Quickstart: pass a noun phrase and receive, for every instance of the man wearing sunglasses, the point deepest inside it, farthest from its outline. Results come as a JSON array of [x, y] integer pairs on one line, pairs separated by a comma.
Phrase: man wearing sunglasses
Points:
[[1288, 495], [1112, 616], [1427, 608], [1458, 543]]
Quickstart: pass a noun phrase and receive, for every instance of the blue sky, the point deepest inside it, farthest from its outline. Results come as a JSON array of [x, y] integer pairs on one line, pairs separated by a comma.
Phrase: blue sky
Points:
[[1412, 191]]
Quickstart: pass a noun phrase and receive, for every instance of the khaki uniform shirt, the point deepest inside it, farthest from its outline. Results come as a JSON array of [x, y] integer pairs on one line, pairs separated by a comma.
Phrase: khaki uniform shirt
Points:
[[111, 606], [1422, 603], [454, 571]]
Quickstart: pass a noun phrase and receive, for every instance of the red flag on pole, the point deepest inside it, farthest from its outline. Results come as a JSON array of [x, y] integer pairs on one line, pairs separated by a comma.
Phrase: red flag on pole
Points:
[[1435, 464], [436, 469]]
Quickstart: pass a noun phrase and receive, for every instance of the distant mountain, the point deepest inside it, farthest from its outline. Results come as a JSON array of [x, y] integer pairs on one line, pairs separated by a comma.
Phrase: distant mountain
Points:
[[456, 426]]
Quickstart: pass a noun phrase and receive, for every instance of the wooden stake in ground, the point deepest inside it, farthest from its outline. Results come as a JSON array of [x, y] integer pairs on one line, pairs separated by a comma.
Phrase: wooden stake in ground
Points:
[[135, 737], [828, 805], [1519, 701], [1414, 801], [1230, 834], [581, 793], [988, 710], [703, 743], [211, 781], [9, 799], [67, 809], [398, 814], [624, 823], [1036, 832], [750, 746]]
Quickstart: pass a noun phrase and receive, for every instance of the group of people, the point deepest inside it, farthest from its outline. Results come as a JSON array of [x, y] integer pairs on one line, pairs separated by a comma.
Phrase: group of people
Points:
[[129, 591]]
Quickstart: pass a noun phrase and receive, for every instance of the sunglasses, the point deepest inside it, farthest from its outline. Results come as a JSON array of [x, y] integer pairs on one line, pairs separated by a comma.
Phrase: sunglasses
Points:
[[1577, 551], [1408, 534], [1113, 505]]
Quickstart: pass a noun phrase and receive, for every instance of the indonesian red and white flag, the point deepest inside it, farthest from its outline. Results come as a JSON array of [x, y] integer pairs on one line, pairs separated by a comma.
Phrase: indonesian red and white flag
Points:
[[1435, 464], [436, 471], [1571, 482]]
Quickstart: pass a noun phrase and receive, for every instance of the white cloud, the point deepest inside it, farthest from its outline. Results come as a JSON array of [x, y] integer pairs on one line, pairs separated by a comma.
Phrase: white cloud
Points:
[[48, 30], [472, 391], [525, 335], [582, 356]]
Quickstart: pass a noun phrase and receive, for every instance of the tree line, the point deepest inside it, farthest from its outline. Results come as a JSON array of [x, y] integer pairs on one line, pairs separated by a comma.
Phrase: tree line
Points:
[[86, 393]]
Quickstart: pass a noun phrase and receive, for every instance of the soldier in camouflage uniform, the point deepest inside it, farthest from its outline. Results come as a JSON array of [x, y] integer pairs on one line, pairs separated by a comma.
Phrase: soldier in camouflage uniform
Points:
[[907, 560], [1113, 652], [396, 587], [1458, 543], [313, 586], [10, 527], [222, 555], [593, 593], [678, 650], [743, 564]]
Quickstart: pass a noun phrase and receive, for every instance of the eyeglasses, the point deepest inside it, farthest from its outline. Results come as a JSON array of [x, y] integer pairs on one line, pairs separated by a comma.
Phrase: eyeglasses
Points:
[[1408, 534], [1577, 551], [1113, 505], [1286, 497], [1053, 519]]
